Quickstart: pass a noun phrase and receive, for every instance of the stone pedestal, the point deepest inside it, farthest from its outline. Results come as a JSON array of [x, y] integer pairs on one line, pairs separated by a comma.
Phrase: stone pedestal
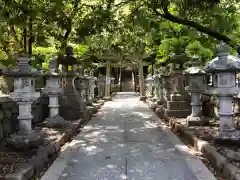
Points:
[[88, 100], [167, 88], [161, 91], [26, 137], [92, 85], [53, 91], [149, 85], [81, 90], [70, 108], [176, 105], [108, 81], [196, 117], [156, 87], [227, 133], [166, 91], [100, 85]]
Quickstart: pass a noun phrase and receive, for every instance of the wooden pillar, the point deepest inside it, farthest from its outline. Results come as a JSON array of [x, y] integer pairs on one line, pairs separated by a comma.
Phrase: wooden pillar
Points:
[[141, 77], [108, 79]]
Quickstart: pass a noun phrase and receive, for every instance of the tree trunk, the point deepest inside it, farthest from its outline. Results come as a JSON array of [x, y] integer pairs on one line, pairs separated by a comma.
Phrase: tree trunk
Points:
[[24, 38], [30, 40]]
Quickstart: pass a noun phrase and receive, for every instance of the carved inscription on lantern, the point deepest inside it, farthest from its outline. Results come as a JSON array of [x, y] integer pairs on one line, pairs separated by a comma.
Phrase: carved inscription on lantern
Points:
[[226, 79]]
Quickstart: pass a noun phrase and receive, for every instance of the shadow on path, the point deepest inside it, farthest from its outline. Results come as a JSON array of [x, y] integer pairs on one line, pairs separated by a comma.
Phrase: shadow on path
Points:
[[124, 141]]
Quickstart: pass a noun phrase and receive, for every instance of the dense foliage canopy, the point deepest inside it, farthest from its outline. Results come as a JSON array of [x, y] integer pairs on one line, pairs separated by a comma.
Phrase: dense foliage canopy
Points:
[[121, 27]]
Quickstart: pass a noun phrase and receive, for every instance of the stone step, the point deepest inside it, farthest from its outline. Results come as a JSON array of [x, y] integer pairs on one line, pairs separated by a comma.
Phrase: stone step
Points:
[[178, 105], [177, 113], [176, 97]]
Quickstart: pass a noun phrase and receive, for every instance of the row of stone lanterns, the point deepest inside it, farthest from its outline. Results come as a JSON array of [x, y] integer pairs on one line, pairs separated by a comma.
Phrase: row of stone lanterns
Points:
[[223, 71], [24, 94]]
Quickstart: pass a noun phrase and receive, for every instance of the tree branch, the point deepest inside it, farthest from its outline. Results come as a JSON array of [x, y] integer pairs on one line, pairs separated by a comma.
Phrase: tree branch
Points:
[[69, 25], [168, 16], [14, 33]]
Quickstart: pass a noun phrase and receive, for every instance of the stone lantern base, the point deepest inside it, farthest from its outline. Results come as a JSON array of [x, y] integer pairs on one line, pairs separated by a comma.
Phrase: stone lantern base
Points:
[[160, 102], [155, 99], [107, 98], [227, 138], [160, 112], [149, 96], [177, 107], [55, 122], [142, 98], [24, 140], [197, 121]]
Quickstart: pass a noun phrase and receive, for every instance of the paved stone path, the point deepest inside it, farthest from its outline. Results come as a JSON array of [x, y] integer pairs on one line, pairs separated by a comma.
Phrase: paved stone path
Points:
[[124, 142]]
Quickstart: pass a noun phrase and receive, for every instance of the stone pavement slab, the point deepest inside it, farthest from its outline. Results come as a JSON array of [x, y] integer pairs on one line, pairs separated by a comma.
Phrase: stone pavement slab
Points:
[[124, 142]]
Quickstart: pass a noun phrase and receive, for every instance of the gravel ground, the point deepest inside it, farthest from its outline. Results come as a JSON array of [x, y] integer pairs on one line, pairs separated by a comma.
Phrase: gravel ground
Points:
[[202, 158], [231, 152], [11, 158], [207, 133]]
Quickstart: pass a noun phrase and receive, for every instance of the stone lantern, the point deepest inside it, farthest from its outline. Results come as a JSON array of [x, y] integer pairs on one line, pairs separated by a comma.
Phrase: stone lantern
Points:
[[24, 77], [80, 87], [149, 84], [70, 108], [87, 86], [53, 90], [156, 86], [224, 69], [195, 86], [92, 85], [100, 85], [112, 79], [167, 83], [161, 87]]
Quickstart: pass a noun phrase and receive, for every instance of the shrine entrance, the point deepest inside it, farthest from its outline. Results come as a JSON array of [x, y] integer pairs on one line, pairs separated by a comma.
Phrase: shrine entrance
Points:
[[127, 80]]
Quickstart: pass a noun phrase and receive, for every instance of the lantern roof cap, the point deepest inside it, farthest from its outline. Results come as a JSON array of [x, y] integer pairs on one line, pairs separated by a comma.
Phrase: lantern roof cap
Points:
[[223, 62], [195, 68]]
